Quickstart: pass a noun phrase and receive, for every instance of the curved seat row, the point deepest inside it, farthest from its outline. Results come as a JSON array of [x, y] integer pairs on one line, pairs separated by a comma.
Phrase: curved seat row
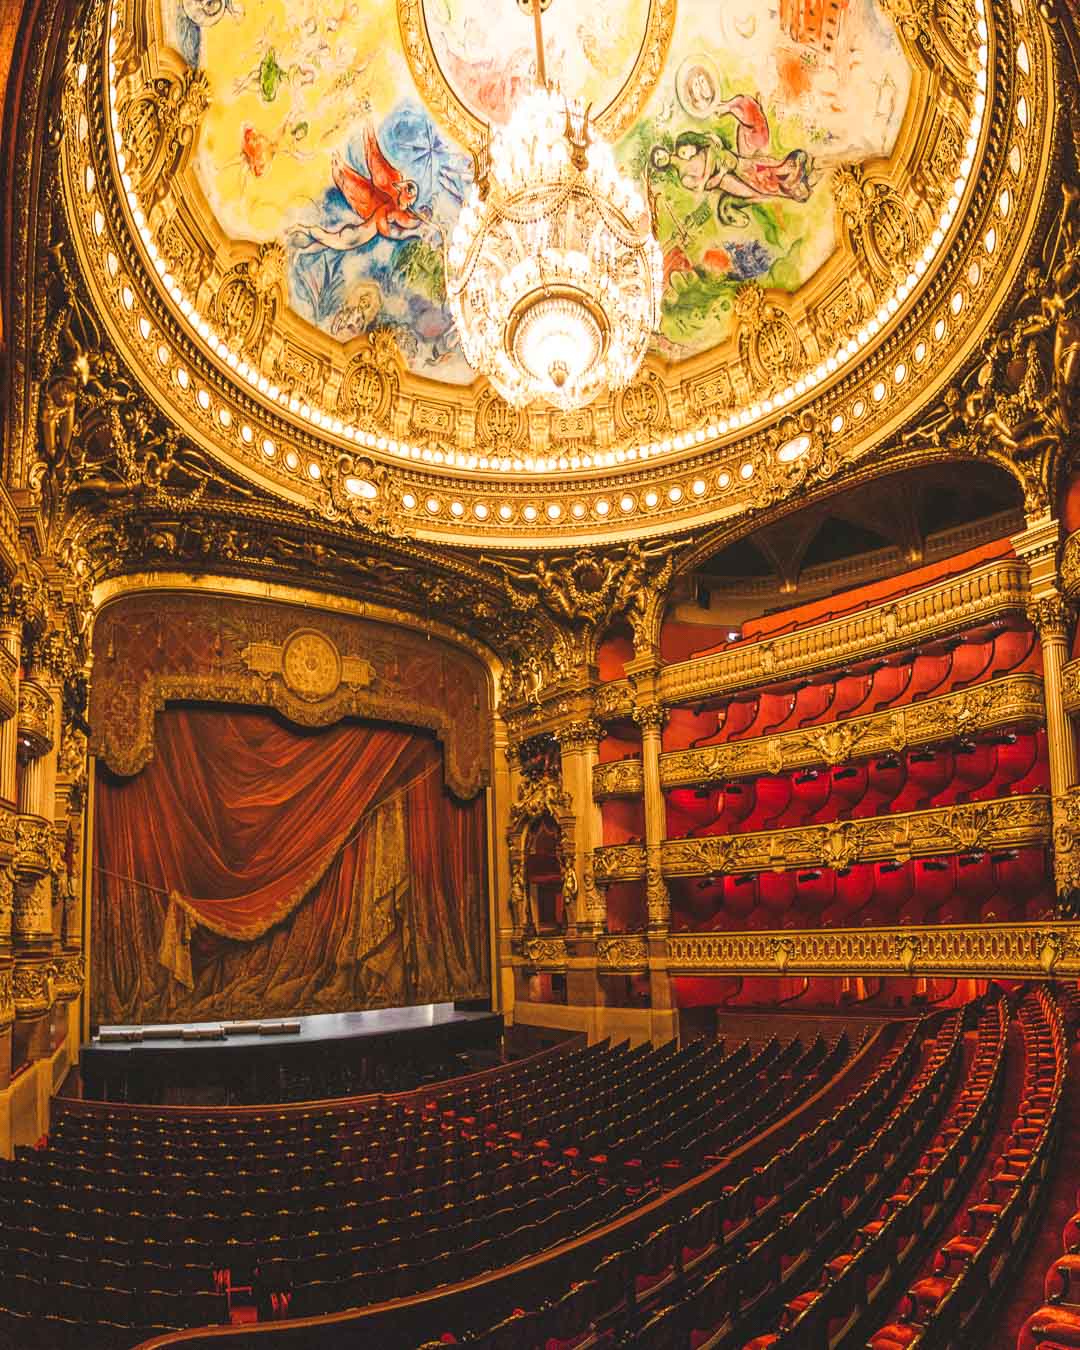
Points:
[[1009, 885], [943, 1309], [998, 764], [1003, 647]]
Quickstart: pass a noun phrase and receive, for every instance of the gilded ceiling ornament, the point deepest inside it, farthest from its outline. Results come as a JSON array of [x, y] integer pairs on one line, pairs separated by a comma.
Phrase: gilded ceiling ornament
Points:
[[158, 126], [771, 349], [248, 299], [882, 226]]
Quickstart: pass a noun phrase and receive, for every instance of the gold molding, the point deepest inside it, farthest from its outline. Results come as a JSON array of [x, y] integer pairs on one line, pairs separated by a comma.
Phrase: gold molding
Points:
[[1015, 950], [996, 588], [997, 703], [1006, 822]]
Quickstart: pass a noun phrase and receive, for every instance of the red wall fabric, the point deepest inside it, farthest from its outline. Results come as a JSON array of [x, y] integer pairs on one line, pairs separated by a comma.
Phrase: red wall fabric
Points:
[[270, 836]]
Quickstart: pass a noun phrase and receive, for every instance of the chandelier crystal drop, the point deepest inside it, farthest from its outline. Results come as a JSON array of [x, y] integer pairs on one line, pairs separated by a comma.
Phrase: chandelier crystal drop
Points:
[[554, 275]]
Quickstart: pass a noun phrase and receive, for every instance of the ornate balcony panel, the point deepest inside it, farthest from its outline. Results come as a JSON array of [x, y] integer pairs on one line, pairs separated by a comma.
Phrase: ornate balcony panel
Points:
[[1070, 686], [999, 703], [623, 952], [35, 718], [955, 603], [622, 778], [33, 988], [1005, 823], [547, 953], [993, 949], [68, 976], [619, 862]]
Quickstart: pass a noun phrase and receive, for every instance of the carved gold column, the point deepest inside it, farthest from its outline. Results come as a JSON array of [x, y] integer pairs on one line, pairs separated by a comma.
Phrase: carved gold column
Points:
[[501, 794], [1049, 612], [33, 937], [650, 717], [10, 654], [578, 743]]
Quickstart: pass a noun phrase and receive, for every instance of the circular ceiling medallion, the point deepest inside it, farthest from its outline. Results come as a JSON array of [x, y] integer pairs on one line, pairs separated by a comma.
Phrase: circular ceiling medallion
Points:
[[258, 196]]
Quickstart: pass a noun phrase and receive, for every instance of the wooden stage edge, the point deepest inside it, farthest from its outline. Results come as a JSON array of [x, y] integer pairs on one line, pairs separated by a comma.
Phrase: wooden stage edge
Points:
[[191, 1053]]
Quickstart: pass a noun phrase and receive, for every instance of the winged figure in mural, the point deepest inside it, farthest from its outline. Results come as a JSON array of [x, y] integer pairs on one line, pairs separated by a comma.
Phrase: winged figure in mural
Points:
[[382, 202]]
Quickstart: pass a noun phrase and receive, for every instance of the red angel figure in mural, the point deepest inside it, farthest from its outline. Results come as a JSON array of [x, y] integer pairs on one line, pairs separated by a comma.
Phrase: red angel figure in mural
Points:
[[382, 202]]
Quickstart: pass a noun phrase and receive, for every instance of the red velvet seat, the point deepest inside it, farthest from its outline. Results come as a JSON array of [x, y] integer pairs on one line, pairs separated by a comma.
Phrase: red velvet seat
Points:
[[974, 772], [854, 889], [809, 793], [885, 779], [851, 694], [1062, 1283], [1017, 753], [848, 784], [971, 662], [934, 882], [891, 682], [740, 895], [893, 885], [928, 774], [814, 703], [772, 710], [689, 809], [1050, 1328], [1037, 779], [772, 798], [931, 673], [1014, 649], [776, 891], [814, 890]]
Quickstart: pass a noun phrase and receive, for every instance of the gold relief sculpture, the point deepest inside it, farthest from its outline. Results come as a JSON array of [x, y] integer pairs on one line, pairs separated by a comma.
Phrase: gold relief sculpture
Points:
[[158, 127], [501, 429], [1067, 842], [619, 862], [36, 716], [310, 665], [579, 734], [7, 996], [990, 949], [770, 347], [545, 952], [1005, 823], [622, 952], [998, 703], [33, 845], [1051, 616], [68, 975], [31, 912], [641, 409], [32, 988], [248, 299], [958, 602], [612, 700], [620, 778], [882, 226]]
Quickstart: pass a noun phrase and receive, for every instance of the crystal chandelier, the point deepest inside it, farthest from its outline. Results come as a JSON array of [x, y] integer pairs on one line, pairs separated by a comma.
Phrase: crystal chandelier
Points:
[[553, 272]]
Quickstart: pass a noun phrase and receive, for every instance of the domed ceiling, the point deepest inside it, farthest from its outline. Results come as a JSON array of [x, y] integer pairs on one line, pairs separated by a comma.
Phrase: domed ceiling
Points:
[[839, 207]]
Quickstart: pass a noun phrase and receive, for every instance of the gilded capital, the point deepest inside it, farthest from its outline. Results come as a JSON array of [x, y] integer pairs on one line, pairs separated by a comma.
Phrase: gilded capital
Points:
[[649, 716], [1051, 616], [576, 735], [32, 987]]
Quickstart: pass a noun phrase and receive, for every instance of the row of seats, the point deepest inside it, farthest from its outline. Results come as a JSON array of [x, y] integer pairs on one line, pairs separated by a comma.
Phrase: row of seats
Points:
[[723, 1241], [968, 1265], [1003, 647], [852, 1278], [1009, 885], [997, 764], [309, 1201]]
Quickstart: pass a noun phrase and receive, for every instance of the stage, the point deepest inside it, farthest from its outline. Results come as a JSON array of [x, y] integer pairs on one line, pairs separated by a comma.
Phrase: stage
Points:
[[222, 1063]]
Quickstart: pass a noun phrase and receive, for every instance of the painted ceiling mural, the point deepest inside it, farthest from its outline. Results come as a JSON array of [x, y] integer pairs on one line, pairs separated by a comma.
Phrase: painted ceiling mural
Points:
[[317, 138]]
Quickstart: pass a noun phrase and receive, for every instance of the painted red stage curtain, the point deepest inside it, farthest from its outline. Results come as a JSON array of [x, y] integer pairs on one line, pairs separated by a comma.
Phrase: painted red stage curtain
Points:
[[254, 869]]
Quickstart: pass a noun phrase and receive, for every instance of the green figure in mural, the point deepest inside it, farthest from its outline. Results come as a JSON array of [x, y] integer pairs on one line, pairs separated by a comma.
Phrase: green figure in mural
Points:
[[704, 161]]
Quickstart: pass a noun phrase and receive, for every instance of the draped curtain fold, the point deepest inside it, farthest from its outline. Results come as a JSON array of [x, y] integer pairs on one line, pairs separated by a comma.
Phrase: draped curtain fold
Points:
[[284, 871]]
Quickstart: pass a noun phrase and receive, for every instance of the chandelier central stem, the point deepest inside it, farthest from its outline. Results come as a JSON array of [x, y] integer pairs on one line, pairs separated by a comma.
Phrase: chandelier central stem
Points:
[[541, 69]]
